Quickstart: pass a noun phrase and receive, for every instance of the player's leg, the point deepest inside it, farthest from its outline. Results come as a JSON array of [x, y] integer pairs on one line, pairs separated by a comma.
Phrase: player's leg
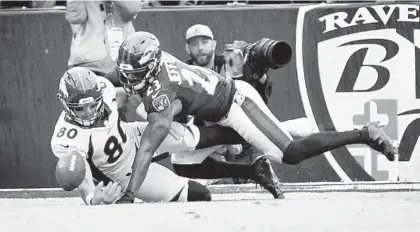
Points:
[[162, 185], [216, 135], [270, 139], [212, 135], [198, 164], [309, 146], [260, 171], [205, 168], [211, 168]]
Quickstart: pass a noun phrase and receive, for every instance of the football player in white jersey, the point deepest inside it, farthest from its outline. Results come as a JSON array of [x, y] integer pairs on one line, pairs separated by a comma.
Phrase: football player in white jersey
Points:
[[90, 125]]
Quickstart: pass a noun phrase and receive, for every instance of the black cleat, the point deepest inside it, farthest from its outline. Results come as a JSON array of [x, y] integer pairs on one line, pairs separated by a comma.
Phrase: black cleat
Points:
[[267, 178]]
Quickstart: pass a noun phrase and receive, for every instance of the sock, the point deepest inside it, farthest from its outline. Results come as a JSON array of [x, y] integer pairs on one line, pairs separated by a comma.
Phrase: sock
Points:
[[211, 168], [318, 143]]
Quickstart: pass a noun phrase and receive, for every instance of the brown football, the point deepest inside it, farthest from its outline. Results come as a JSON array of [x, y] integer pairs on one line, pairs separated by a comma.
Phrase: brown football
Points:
[[70, 171]]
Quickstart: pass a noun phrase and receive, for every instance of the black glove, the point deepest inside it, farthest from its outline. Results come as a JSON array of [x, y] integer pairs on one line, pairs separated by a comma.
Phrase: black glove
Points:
[[127, 198]]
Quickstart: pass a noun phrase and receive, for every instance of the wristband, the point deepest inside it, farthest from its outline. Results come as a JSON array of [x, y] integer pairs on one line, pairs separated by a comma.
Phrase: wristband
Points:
[[89, 198]]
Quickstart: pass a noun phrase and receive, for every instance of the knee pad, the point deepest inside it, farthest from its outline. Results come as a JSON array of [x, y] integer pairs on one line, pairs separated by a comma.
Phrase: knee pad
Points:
[[198, 192]]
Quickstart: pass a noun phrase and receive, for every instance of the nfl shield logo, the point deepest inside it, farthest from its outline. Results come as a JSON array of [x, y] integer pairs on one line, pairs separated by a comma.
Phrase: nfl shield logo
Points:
[[358, 64]]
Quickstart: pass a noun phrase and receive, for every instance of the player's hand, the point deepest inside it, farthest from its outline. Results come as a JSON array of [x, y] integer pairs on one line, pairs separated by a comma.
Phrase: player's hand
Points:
[[107, 195], [111, 193], [127, 198]]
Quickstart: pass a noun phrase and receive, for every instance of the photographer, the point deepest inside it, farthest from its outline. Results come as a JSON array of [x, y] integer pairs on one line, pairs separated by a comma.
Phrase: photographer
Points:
[[237, 62], [251, 62], [240, 60]]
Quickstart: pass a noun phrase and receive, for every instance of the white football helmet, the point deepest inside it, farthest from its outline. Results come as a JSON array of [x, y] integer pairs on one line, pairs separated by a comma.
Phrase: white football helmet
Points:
[[80, 94]]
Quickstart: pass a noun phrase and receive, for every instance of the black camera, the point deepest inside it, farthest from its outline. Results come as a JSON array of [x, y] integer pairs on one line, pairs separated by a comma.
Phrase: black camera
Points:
[[256, 58], [268, 53], [262, 55]]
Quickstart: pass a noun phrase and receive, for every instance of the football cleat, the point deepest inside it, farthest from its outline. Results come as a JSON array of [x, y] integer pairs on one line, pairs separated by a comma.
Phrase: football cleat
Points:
[[267, 178], [379, 141]]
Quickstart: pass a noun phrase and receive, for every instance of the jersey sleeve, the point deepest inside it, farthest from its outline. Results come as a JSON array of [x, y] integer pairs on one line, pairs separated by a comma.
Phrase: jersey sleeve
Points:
[[60, 150], [160, 103], [158, 97], [67, 138]]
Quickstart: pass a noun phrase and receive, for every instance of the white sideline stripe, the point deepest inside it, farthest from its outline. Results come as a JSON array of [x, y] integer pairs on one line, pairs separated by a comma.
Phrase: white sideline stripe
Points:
[[31, 190], [304, 184], [302, 85], [327, 188]]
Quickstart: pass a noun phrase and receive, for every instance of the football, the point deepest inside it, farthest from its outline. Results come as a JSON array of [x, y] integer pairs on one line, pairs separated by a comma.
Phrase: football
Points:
[[70, 171]]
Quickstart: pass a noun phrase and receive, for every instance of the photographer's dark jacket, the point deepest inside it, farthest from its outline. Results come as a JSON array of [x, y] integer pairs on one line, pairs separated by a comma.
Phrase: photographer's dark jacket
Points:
[[264, 89]]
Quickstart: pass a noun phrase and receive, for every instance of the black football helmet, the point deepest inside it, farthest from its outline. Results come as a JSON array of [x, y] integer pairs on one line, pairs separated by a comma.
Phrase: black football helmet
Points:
[[139, 61]]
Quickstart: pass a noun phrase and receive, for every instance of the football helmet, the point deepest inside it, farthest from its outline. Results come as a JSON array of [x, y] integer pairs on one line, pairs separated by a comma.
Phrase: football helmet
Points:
[[80, 93], [139, 61]]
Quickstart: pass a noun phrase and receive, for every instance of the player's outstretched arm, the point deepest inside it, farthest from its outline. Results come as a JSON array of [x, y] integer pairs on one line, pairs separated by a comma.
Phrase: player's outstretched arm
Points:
[[87, 187], [155, 132]]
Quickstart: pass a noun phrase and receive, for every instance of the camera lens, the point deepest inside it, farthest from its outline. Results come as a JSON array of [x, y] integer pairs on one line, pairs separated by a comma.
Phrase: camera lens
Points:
[[279, 53]]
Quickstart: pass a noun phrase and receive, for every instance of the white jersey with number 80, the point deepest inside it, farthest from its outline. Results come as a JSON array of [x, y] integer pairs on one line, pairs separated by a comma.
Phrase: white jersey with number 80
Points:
[[109, 149]]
